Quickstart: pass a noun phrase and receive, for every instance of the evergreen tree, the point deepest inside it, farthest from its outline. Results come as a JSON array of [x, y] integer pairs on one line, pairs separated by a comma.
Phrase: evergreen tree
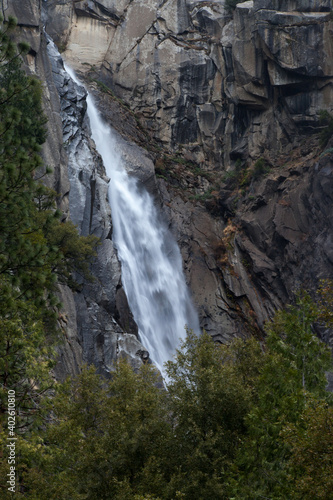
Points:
[[25, 280], [104, 439], [209, 403], [293, 370], [310, 467], [240, 421]]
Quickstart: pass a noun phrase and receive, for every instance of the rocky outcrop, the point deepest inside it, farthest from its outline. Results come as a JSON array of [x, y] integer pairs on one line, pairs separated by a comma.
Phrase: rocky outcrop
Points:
[[199, 236], [268, 236], [279, 67], [283, 231], [156, 60]]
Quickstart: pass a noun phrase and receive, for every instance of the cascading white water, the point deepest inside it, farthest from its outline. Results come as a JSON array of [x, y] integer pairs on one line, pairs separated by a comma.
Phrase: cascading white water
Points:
[[152, 273]]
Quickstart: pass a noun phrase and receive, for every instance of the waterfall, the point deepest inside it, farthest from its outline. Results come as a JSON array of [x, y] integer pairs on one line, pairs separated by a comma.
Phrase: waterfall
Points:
[[151, 262]]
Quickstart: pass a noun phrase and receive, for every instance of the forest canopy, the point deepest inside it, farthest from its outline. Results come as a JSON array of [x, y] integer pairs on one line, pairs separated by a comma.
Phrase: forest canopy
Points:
[[242, 421]]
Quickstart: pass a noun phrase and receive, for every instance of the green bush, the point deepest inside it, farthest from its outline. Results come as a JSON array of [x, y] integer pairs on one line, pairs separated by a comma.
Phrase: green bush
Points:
[[260, 168], [325, 119]]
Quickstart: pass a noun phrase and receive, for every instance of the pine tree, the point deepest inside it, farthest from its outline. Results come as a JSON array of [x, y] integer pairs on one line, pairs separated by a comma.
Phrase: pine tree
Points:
[[104, 440], [292, 372], [209, 403], [310, 466]]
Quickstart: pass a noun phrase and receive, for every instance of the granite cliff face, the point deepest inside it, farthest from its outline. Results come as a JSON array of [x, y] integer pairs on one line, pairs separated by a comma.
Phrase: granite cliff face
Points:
[[225, 109], [223, 87]]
